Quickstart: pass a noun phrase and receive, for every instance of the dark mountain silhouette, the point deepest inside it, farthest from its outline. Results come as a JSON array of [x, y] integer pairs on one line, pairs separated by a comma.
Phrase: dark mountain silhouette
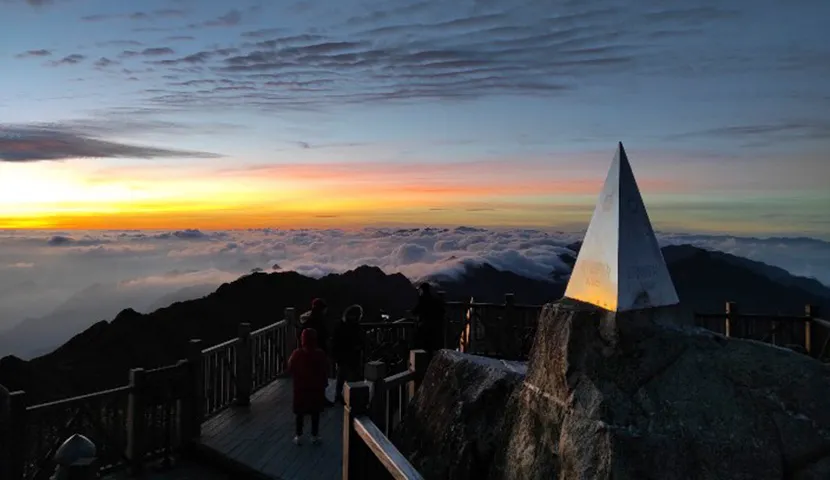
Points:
[[484, 283], [36, 336], [101, 356], [183, 294], [707, 279]]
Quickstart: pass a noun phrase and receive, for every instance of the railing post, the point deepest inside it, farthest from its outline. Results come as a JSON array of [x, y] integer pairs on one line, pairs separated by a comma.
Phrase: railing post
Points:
[[5, 433], [290, 340], [811, 312], [731, 318], [355, 450], [244, 367], [509, 332], [17, 419], [184, 405], [418, 363], [375, 372], [136, 428], [469, 328], [442, 298], [197, 389], [12, 416]]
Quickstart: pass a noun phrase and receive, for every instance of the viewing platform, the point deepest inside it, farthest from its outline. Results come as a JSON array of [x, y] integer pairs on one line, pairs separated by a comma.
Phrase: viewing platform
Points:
[[260, 436], [229, 406]]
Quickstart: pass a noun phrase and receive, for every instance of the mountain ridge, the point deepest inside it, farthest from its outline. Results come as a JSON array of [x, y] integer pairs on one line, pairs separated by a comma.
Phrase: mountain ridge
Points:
[[101, 355]]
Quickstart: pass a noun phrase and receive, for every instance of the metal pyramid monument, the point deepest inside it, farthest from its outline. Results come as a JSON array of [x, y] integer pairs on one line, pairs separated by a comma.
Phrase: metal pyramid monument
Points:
[[620, 266]]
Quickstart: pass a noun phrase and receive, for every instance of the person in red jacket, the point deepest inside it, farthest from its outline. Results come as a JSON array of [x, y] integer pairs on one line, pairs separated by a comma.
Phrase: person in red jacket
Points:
[[308, 366]]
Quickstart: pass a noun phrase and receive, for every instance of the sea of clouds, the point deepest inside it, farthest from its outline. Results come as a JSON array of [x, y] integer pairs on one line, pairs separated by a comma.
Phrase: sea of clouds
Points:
[[70, 280]]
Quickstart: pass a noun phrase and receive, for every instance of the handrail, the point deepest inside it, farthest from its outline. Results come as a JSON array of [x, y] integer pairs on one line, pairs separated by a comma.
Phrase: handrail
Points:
[[397, 323], [752, 316], [383, 449], [220, 346], [461, 303], [399, 379], [163, 369], [80, 398], [480, 328], [820, 321], [368, 420], [266, 328]]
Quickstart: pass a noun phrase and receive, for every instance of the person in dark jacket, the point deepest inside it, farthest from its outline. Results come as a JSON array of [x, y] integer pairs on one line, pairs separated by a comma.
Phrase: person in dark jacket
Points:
[[347, 346], [316, 319], [430, 313], [308, 367]]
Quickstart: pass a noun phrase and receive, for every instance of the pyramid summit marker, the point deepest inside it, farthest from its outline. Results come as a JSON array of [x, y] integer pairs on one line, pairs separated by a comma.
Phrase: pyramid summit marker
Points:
[[620, 266]]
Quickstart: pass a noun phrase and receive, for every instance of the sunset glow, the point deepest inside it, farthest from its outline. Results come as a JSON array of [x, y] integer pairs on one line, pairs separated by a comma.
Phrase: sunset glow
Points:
[[425, 113]]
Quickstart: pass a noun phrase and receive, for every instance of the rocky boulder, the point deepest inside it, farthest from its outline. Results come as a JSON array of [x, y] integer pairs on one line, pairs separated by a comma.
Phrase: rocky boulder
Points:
[[455, 423], [629, 396]]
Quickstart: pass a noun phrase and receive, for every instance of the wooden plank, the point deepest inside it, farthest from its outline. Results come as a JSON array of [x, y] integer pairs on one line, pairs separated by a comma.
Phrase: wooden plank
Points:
[[260, 436]]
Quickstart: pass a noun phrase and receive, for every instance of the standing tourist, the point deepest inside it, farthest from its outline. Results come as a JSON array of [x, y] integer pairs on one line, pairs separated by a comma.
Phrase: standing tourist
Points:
[[430, 312], [346, 347], [308, 367]]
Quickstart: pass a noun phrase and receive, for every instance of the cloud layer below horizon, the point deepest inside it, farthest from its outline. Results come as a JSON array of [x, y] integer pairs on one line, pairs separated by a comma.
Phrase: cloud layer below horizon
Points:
[[91, 276]]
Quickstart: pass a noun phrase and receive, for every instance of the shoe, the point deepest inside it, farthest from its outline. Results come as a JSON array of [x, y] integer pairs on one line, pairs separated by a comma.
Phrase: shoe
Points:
[[298, 440], [315, 440]]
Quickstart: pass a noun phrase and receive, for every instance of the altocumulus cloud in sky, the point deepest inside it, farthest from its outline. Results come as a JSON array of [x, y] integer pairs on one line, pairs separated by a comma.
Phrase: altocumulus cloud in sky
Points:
[[295, 60], [734, 91], [83, 277]]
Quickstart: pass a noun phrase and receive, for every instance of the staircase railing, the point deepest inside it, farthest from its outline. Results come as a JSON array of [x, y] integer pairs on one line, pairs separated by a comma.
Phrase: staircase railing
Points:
[[371, 414], [153, 416]]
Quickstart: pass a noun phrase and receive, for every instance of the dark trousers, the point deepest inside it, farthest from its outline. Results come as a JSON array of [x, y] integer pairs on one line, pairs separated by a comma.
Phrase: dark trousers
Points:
[[346, 372], [300, 419]]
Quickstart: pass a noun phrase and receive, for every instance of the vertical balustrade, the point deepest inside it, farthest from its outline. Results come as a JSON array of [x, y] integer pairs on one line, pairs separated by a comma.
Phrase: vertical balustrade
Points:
[[183, 407], [12, 433], [509, 336], [445, 324], [136, 428], [244, 367], [5, 433], [18, 416], [731, 318], [810, 340], [197, 392], [290, 336]]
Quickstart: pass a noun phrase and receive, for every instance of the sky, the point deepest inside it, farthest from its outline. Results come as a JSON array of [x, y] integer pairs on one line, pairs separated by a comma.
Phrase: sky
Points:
[[501, 113]]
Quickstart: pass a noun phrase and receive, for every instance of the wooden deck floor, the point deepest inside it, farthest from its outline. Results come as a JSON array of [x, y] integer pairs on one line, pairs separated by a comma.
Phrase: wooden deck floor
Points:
[[260, 437]]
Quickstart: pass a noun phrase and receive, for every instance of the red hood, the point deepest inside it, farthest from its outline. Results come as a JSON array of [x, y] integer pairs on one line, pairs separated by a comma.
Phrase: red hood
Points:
[[309, 339]]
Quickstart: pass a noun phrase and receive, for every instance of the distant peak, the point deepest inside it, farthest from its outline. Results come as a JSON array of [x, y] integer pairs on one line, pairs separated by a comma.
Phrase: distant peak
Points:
[[127, 313]]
